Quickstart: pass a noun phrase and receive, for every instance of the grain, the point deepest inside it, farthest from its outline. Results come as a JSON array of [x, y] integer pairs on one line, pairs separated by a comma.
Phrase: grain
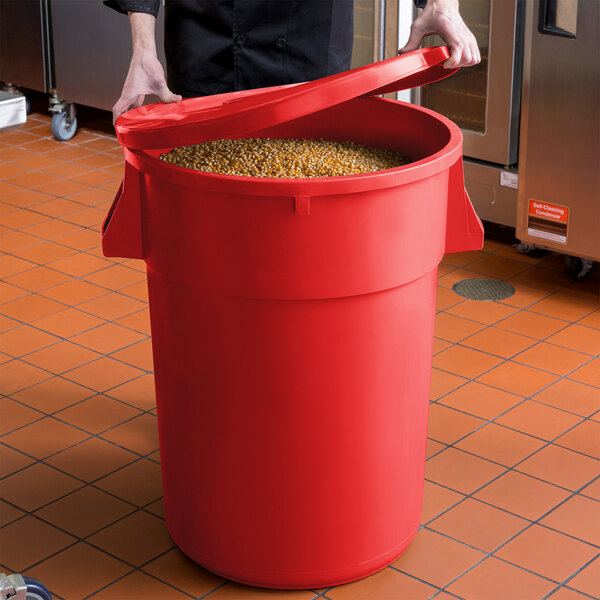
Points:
[[284, 158]]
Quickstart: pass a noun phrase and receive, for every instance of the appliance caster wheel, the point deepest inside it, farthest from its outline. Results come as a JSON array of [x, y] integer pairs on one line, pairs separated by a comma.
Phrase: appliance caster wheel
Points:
[[578, 269]]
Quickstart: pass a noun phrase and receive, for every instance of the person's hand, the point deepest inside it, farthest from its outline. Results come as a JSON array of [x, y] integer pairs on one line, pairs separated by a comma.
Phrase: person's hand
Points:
[[145, 76], [441, 17]]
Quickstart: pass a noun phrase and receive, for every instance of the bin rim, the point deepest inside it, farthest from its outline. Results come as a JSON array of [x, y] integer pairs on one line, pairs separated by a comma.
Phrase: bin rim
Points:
[[145, 162]]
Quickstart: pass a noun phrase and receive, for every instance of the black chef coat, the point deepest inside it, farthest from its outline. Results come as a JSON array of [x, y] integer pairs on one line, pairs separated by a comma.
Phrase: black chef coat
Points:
[[217, 46]]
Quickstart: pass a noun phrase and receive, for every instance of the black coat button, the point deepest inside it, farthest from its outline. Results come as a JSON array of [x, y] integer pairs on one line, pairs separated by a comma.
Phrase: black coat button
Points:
[[240, 40], [281, 43]]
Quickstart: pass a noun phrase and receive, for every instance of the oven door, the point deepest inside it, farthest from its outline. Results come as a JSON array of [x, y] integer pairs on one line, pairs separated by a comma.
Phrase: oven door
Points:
[[484, 100]]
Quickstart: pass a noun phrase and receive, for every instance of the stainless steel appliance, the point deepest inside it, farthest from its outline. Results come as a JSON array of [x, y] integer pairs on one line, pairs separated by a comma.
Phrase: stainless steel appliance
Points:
[[559, 154], [484, 101]]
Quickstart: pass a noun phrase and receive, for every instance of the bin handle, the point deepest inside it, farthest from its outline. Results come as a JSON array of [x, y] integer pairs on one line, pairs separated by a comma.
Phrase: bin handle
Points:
[[464, 230], [122, 228]]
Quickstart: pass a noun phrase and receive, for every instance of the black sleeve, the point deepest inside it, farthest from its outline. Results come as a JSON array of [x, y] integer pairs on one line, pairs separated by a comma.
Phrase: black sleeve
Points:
[[124, 6], [420, 3]]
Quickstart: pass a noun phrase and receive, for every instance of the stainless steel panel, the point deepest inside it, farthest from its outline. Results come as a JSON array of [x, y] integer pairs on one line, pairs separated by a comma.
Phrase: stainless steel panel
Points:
[[23, 60], [92, 50], [484, 100], [559, 163], [492, 193]]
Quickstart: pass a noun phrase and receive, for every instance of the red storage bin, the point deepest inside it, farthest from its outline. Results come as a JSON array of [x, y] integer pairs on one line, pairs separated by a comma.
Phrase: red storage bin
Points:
[[292, 323]]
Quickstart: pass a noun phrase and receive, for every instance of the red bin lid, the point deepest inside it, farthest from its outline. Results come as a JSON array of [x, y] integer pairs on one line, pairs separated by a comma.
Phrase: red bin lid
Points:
[[238, 114]]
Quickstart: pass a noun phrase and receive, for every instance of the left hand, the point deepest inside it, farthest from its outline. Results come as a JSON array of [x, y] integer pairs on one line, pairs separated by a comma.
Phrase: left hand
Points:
[[441, 17]]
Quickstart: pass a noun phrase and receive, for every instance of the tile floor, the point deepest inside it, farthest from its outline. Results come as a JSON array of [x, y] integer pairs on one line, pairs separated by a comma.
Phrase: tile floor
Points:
[[512, 491]]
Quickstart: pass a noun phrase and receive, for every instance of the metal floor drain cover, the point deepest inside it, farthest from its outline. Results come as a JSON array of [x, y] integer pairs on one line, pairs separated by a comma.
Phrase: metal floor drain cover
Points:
[[483, 289]]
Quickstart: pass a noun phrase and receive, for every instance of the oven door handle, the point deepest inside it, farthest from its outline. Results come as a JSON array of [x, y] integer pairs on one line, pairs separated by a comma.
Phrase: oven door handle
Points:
[[548, 17]]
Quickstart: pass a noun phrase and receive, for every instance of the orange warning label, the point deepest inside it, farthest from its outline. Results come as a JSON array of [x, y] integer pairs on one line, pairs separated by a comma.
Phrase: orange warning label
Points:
[[548, 221]]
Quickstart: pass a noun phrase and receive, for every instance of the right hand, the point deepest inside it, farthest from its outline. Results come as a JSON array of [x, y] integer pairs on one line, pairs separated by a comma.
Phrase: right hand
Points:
[[145, 76]]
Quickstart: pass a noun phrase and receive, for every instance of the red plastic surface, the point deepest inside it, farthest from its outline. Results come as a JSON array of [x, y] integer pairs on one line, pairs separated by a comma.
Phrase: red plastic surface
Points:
[[292, 327], [237, 114]]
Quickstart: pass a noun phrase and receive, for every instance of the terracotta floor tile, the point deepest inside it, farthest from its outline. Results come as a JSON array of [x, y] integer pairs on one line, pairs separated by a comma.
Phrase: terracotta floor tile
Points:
[[74, 292], [21, 197], [478, 524], [14, 154], [139, 355], [517, 379], [138, 586], [33, 179], [116, 277], [178, 570], [87, 217], [71, 152], [588, 581], [435, 559], [9, 188], [85, 511], [24, 219], [448, 276], [538, 420], [584, 438], [44, 253], [498, 267], [460, 259], [445, 298], [11, 460], [157, 508], [139, 393], [95, 177], [571, 396], [546, 552], [577, 517], [460, 471], [12, 170], [107, 338], [138, 435], [42, 145], [17, 137], [62, 188], [37, 279], [57, 207], [9, 265], [61, 357], [564, 593], [29, 308], [548, 280], [532, 324], [591, 320], [522, 495], [92, 459], [103, 374], [136, 539], [52, 229], [15, 415], [11, 292], [14, 241], [138, 321], [139, 483], [97, 414], [7, 324], [44, 437], [465, 361], [31, 541], [37, 162], [67, 170], [36, 486], [98, 160], [499, 342], [549, 357], [104, 144], [436, 500], [25, 339], [500, 444], [92, 196], [442, 383], [497, 580], [68, 322], [564, 306], [9, 513], [589, 373], [487, 313], [79, 264], [592, 490], [16, 375], [433, 448], [112, 306], [447, 425], [578, 338], [52, 395], [561, 467], [438, 345], [90, 570], [451, 328], [112, 187]]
